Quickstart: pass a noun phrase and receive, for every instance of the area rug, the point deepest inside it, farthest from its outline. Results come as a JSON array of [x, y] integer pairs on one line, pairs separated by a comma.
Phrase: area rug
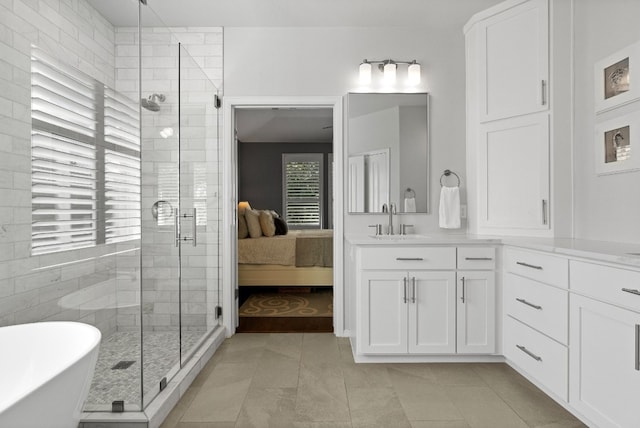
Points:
[[316, 304]]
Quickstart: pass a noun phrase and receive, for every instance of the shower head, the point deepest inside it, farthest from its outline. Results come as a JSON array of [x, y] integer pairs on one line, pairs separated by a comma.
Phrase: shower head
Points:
[[151, 103]]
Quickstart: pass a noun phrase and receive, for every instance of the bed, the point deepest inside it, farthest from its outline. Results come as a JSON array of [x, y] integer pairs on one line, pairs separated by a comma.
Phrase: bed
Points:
[[302, 258]]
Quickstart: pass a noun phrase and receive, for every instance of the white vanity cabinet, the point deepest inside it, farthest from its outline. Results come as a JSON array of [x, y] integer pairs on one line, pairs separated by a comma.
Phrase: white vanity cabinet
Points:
[[407, 312], [605, 344], [476, 301], [514, 61], [517, 106], [410, 300], [536, 317]]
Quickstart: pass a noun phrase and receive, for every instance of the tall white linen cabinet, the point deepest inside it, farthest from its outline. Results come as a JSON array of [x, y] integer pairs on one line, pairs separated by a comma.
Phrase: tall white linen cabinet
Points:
[[518, 81]]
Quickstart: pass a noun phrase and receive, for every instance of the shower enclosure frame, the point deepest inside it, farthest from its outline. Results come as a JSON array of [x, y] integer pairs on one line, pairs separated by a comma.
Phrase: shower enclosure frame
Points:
[[155, 405]]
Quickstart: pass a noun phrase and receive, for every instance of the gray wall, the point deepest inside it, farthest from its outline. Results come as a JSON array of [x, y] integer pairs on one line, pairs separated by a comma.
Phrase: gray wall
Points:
[[607, 207], [260, 172], [324, 61]]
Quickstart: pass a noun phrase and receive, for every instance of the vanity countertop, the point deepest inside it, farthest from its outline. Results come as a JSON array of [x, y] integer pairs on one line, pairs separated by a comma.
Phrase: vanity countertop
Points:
[[431, 239], [603, 251]]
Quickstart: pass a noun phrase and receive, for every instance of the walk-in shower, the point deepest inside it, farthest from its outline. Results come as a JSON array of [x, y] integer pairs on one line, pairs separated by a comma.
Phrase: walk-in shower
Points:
[[119, 223]]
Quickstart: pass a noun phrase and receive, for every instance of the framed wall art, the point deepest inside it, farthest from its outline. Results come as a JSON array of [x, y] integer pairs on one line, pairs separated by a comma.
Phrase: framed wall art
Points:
[[617, 144], [617, 79]]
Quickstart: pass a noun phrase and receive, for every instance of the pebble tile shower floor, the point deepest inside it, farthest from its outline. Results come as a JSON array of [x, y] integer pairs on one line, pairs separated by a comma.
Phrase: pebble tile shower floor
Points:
[[309, 380], [160, 356]]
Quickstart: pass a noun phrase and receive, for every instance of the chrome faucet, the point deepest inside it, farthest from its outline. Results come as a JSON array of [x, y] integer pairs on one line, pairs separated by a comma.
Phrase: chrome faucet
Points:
[[391, 209]]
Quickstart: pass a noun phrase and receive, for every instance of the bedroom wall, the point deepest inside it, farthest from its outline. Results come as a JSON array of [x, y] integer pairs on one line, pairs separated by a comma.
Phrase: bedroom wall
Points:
[[324, 62], [607, 206], [260, 172]]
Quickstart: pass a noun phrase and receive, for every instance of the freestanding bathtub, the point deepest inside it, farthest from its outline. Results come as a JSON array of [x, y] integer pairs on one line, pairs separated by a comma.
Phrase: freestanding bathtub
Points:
[[45, 373]]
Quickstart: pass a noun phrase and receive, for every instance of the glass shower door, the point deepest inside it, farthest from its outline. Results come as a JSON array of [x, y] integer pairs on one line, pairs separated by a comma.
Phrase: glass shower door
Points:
[[199, 264]]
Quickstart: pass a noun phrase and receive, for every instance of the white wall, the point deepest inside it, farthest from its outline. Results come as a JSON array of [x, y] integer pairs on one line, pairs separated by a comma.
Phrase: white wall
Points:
[[324, 61], [606, 207]]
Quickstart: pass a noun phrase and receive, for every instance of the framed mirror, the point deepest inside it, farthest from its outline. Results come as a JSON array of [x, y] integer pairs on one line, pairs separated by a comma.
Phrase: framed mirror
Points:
[[388, 149]]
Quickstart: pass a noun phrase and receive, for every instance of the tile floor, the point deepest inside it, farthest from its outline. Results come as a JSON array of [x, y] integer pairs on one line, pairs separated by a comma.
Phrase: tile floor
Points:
[[310, 381]]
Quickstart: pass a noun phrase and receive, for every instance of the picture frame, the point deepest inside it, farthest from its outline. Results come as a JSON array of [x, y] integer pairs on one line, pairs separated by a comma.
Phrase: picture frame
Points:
[[617, 79], [617, 144]]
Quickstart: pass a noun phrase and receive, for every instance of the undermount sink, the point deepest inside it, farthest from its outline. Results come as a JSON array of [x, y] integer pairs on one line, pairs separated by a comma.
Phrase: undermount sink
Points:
[[397, 237]]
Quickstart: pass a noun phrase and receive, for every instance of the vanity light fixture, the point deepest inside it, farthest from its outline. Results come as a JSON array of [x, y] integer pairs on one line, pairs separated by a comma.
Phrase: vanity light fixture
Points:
[[389, 68], [365, 72]]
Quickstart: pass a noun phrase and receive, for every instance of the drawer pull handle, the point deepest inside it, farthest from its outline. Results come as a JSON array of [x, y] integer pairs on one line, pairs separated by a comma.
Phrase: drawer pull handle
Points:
[[632, 291], [478, 258], [404, 288], [638, 347], [415, 259], [529, 266], [529, 353], [413, 288], [529, 304]]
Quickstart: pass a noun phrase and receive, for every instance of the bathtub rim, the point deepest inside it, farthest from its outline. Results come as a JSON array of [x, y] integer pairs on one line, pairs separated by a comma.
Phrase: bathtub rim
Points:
[[95, 335]]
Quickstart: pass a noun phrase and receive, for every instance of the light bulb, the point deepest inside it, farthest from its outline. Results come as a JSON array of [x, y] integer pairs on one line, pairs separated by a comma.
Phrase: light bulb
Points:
[[365, 73], [413, 74], [390, 72]]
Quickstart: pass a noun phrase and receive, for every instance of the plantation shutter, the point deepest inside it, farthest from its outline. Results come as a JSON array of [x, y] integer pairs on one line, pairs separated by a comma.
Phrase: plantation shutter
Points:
[[122, 168], [85, 160], [303, 189], [63, 157]]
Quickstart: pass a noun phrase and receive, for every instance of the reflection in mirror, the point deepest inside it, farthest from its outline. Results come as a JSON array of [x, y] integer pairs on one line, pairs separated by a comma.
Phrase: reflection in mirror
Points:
[[388, 147]]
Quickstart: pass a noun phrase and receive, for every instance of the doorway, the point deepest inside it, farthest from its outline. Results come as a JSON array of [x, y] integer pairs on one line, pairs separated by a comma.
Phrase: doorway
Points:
[[238, 285]]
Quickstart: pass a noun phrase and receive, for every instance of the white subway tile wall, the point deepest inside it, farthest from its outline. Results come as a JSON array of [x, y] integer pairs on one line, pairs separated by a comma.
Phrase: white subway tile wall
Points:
[[71, 285]]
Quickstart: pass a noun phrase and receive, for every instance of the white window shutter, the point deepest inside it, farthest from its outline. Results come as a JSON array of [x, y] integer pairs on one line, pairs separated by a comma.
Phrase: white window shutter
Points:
[[303, 189]]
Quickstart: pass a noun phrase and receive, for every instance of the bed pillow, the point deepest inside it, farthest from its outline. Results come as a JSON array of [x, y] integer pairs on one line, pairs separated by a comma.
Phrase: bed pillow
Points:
[[281, 226], [266, 223], [253, 223], [243, 231]]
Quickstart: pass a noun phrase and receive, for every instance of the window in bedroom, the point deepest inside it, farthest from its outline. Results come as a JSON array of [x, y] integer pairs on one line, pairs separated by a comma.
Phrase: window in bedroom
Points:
[[85, 160], [303, 190]]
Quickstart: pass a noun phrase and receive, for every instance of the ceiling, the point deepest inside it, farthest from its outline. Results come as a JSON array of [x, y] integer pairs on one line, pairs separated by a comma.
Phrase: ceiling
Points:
[[295, 13], [285, 125], [289, 125]]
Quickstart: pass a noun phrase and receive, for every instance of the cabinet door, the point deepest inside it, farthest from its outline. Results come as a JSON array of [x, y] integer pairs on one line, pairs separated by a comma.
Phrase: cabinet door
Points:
[[476, 312], [514, 61], [383, 313], [432, 312], [605, 367], [513, 175]]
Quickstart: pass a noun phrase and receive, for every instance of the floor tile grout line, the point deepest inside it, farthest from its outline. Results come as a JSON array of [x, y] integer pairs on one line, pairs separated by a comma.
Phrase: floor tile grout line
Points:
[[505, 402]]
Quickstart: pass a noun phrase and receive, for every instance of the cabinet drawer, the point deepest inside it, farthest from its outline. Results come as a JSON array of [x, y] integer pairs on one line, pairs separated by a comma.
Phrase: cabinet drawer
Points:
[[408, 258], [476, 258], [538, 305], [540, 357], [541, 267], [618, 286]]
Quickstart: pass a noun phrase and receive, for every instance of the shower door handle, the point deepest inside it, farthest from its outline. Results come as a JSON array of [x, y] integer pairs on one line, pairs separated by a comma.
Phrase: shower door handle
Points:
[[195, 227], [176, 226], [194, 237]]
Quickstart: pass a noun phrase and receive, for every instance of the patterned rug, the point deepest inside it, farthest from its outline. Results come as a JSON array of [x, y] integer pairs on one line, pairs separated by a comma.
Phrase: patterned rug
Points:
[[317, 304]]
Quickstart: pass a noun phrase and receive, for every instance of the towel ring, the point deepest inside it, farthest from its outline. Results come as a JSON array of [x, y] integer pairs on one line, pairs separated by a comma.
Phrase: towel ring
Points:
[[409, 193], [447, 173]]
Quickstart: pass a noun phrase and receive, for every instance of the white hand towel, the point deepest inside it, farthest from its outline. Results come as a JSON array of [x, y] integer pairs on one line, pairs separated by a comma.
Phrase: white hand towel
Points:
[[409, 205], [450, 207]]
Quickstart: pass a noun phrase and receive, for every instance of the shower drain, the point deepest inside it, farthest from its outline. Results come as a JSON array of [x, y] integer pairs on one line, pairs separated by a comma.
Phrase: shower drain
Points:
[[121, 365]]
